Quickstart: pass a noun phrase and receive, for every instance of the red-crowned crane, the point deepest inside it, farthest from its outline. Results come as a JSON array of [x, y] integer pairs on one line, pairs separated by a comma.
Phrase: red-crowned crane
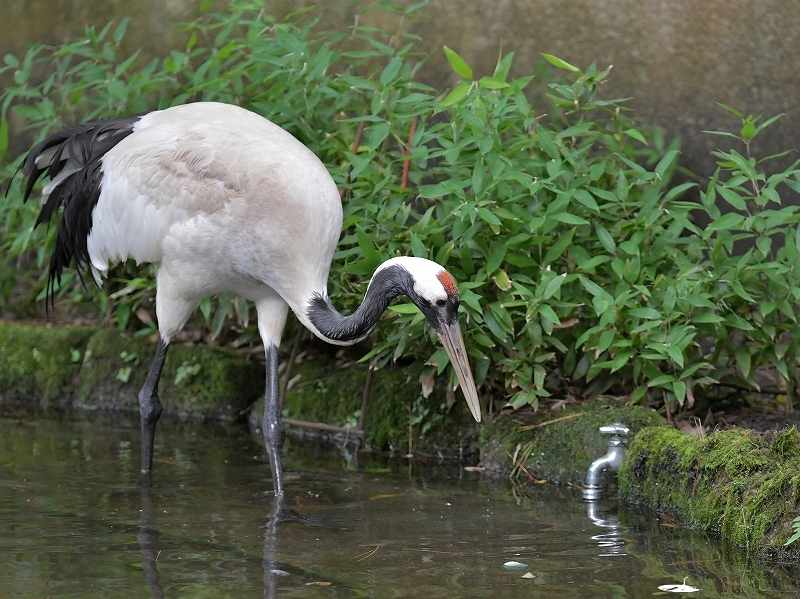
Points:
[[221, 199]]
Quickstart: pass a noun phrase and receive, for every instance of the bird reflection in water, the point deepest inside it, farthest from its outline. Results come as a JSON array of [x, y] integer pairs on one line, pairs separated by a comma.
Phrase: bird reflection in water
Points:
[[149, 544], [149, 539]]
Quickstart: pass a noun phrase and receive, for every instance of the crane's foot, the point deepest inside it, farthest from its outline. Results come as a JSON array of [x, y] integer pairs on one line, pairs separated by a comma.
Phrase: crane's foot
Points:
[[150, 409], [149, 412]]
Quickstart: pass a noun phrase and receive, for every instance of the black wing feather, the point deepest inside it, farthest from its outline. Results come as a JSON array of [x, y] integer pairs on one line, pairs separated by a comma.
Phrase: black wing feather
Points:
[[80, 149]]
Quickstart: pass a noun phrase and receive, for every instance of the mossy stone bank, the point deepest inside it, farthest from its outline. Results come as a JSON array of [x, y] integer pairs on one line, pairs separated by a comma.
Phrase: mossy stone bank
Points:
[[739, 485], [41, 362], [97, 368]]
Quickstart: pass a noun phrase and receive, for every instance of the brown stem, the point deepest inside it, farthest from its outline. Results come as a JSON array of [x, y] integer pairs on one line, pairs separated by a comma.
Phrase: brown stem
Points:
[[356, 143], [407, 152]]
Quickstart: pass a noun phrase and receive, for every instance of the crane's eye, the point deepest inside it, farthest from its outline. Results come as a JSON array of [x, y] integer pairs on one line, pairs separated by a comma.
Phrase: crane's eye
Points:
[[441, 303]]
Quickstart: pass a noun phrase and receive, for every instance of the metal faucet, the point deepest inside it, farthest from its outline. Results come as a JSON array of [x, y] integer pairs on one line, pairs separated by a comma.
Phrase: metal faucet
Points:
[[617, 446]]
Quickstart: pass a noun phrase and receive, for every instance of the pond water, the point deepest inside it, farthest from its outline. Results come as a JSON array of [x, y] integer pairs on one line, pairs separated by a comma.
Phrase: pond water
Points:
[[75, 523]]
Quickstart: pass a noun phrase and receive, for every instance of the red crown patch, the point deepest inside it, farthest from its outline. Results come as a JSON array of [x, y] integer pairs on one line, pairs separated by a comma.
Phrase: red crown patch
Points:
[[448, 283]]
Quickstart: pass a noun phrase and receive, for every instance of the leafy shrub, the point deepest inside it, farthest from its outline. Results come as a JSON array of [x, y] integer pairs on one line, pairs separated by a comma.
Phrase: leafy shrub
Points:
[[753, 253], [581, 270]]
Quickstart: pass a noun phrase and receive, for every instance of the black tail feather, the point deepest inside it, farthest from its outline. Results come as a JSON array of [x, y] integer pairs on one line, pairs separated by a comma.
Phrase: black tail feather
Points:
[[76, 155]]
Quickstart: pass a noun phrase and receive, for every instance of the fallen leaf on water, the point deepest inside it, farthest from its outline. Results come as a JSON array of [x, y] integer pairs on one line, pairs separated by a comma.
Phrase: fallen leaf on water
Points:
[[318, 584], [474, 468], [528, 575], [678, 588], [514, 565]]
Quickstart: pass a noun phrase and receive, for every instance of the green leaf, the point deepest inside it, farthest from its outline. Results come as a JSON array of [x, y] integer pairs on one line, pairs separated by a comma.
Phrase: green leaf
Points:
[[547, 312], [458, 64], [586, 198], [606, 338], [569, 219], [676, 354], [648, 313], [561, 64], [503, 67], [666, 162], [729, 221], [733, 111], [638, 394], [739, 290], [575, 130], [606, 240], [679, 389], [707, 318], [390, 70], [455, 96], [767, 123], [378, 133], [417, 247], [748, 130], [414, 7], [367, 248], [555, 251], [635, 135], [553, 286], [404, 309], [119, 32], [743, 359], [661, 381], [732, 197], [492, 83], [490, 218], [3, 137], [496, 257]]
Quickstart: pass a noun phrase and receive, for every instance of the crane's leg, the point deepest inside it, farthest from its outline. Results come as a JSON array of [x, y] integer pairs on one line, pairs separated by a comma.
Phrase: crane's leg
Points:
[[272, 312], [150, 409], [271, 424]]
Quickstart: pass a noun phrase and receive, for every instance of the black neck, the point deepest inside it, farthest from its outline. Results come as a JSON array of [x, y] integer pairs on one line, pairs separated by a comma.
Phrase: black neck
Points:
[[385, 286]]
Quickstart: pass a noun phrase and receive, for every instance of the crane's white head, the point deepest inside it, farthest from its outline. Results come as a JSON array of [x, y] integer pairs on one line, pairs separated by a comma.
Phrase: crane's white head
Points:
[[433, 290]]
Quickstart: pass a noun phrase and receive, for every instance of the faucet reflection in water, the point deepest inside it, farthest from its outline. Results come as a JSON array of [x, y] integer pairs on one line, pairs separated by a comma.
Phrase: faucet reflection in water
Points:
[[617, 445], [610, 541]]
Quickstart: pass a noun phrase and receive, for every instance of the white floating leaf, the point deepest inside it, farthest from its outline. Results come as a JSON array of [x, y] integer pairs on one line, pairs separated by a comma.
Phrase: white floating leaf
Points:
[[514, 565], [277, 572], [528, 575], [678, 588]]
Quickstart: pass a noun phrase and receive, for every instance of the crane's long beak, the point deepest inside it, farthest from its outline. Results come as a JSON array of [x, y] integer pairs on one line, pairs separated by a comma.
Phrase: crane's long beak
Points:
[[454, 344]]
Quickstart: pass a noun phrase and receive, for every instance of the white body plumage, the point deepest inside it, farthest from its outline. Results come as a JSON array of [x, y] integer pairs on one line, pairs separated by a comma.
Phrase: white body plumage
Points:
[[222, 200]]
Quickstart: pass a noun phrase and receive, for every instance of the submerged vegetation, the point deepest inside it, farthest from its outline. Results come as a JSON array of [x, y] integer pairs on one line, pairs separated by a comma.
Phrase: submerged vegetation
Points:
[[581, 264]]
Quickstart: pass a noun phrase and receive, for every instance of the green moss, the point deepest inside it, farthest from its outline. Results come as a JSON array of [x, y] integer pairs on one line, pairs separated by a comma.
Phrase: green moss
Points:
[[556, 446], [200, 381], [736, 484], [41, 362]]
